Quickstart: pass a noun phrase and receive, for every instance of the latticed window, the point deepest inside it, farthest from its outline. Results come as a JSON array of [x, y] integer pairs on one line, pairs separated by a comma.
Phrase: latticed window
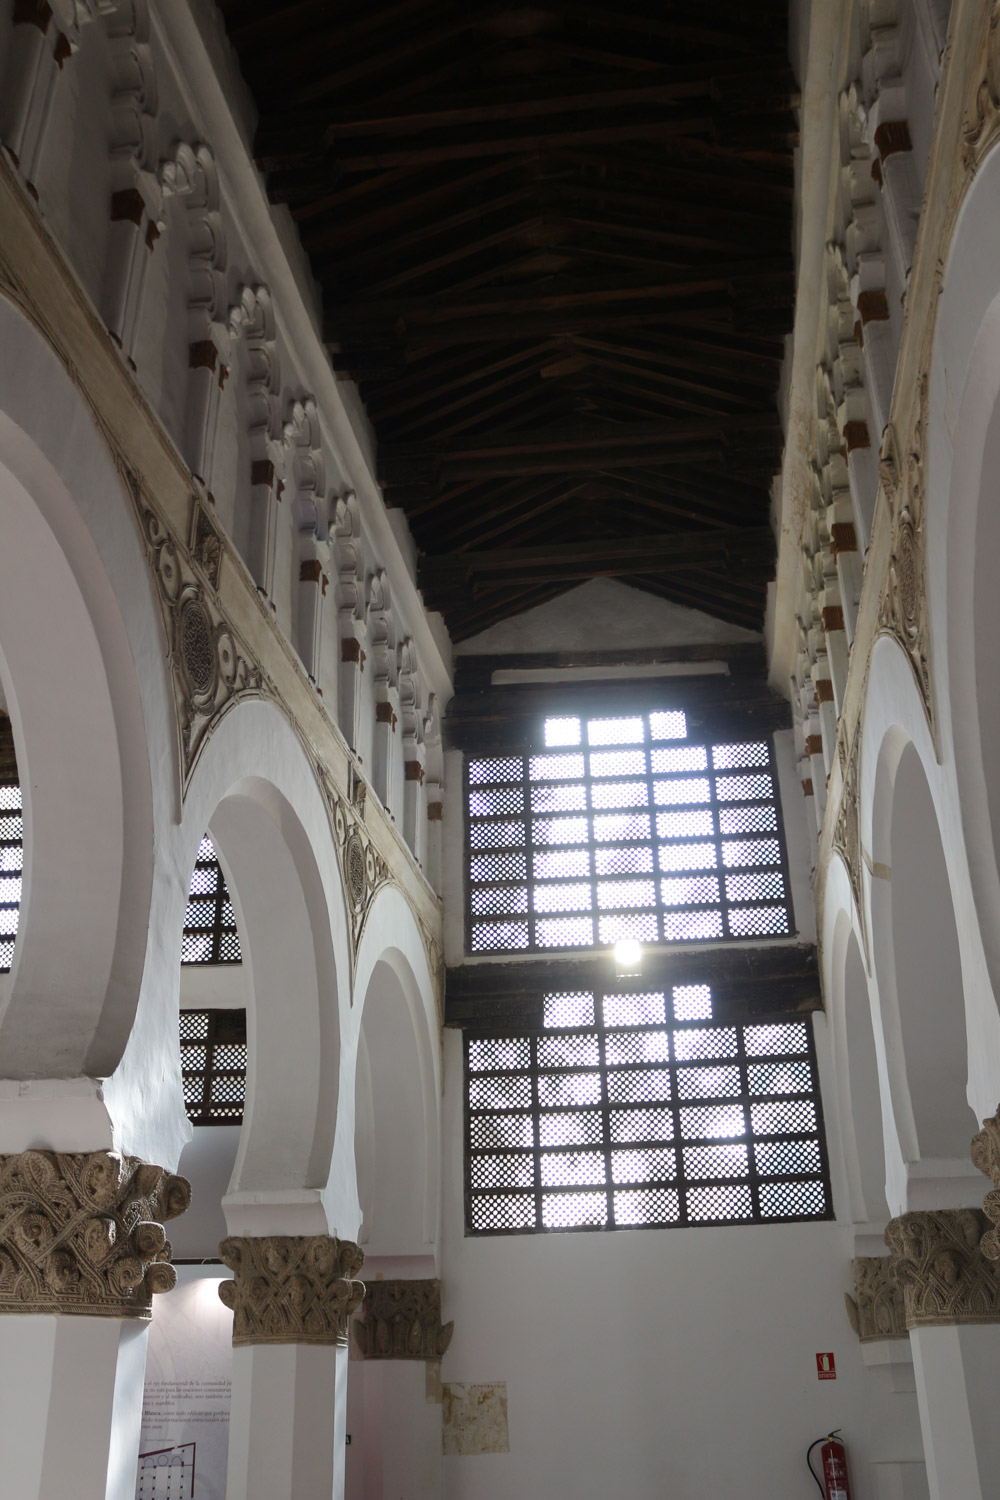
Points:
[[626, 1110], [210, 935], [11, 863], [624, 828], [214, 1065]]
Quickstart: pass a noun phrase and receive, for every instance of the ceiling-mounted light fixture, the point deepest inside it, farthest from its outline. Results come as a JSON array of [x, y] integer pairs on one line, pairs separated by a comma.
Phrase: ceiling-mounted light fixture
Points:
[[628, 957]]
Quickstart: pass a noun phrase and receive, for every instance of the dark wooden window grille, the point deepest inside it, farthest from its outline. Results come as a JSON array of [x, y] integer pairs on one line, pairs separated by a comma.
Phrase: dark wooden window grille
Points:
[[11, 864], [210, 935], [214, 1065], [623, 828], [629, 1110]]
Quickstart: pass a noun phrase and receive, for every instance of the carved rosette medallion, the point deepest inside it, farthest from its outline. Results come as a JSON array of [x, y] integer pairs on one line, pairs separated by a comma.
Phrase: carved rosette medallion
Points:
[[876, 1310], [83, 1233], [362, 867], [938, 1265], [986, 1156], [402, 1320], [211, 670], [291, 1289], [903, 611]]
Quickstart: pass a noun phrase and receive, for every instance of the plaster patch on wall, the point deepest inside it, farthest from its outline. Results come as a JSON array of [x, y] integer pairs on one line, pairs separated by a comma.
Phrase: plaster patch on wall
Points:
[[475, 1418]]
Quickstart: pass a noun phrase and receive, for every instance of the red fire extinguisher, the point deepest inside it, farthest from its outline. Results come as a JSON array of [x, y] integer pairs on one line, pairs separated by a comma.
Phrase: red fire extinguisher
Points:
[[833, 1458]]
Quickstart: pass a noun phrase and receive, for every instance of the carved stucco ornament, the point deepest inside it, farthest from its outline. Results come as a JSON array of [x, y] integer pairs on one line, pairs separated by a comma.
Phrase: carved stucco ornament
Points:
[[362, 867], [986, 1156], [291, 1289], [402, 1320], [982, 123], [211, 670], [938, 1265], [903, 610], [83, 1233], [876, 1310], [847, 829]]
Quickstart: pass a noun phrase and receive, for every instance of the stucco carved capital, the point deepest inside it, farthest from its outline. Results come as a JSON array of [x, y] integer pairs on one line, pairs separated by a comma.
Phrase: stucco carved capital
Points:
[[291, 1289], [83, 1233], [986, 1156], [876, 1310], [940, 1268], [402, 1320]]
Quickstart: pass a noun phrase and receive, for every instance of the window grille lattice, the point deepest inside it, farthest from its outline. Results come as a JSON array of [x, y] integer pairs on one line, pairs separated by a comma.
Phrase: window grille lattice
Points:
[[210, 935], [628, 1110], [214, 1065], [11, 865], [622, 828]]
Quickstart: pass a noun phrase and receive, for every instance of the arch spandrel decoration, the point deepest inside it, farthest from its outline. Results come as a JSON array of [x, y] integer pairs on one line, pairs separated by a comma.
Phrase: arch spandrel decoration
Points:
[[847, 829], [982, 125], [903, 608], [211, 668], [363, 870]]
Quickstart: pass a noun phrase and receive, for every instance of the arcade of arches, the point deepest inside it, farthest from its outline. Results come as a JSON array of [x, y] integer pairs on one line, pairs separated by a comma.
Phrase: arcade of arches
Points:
[[499, 770]]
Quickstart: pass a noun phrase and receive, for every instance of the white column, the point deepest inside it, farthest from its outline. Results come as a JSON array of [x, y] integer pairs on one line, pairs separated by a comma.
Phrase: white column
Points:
[[955, 1369], [291, 1297], [288, 1422], [72, 1406], [83, 1250]]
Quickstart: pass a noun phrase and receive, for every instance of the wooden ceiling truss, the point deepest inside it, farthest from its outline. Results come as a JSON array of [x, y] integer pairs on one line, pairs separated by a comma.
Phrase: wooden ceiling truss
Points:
[[554, 244]]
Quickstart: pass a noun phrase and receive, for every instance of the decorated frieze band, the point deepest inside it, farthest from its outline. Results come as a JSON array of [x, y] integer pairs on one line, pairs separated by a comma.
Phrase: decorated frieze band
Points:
[[291, 1289], [938, 1265], [402, 1320], [986, 1156], [876, 1310], [83, 1233]]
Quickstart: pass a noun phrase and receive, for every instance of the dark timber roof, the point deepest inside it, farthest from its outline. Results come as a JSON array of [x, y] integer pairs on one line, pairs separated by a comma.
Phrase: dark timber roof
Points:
[[554, 242]]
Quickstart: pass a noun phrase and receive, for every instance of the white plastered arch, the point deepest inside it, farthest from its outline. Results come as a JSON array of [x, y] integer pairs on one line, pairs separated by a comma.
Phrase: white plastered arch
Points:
[[963, 528], [859, 1059], [916, 946], [77, 610], [389, 1164], [256, 792]]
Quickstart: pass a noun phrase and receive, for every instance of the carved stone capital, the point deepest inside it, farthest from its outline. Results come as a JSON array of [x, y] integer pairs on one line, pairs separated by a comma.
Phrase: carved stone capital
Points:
[[941, 1270], [876, 1310], [291, 1289], [84, 1233], [986, 1156], [402, 1320]]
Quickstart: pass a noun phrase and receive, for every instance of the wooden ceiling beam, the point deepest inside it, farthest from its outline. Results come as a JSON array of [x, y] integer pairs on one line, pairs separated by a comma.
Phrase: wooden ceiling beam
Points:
[[737, 552], [366, 159]]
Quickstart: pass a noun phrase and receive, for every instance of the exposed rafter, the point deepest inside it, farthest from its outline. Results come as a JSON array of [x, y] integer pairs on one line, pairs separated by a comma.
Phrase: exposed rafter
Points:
[[554, 244]]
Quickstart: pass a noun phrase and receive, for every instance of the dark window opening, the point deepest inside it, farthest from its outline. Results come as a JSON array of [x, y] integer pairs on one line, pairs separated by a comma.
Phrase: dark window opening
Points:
[[630, 1110], [11, 865], [214, 1065], [210, 935], [623, 828]]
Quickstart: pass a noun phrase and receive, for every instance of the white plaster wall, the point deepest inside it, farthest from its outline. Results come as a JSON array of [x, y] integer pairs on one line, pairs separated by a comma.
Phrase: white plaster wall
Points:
[[647, 1363], [603, 615]]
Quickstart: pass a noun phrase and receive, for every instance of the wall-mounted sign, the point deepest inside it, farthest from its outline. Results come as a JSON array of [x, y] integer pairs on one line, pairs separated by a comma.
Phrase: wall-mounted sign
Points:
[[826, 1368]]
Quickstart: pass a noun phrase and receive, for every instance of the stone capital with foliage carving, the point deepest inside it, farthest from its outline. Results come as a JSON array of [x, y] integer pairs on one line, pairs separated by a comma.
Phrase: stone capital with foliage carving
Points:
[[986, 1156], [83, 1233], [291, 1289], [938, 1265], [876, 1310], [402, 1320]]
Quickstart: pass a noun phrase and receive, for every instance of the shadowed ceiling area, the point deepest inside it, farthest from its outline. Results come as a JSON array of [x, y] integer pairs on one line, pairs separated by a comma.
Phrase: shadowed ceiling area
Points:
[[554, 243]]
